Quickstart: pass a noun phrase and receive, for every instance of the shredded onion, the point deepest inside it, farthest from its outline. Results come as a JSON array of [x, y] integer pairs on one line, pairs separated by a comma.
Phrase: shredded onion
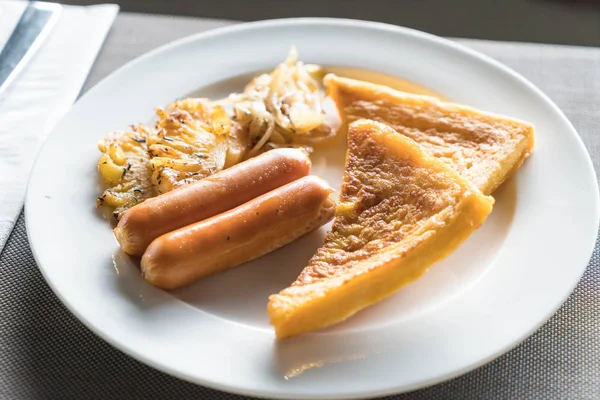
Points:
[[282, 108]]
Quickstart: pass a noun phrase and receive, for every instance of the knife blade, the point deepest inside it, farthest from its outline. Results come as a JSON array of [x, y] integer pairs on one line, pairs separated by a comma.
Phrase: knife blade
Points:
[[33, 27]]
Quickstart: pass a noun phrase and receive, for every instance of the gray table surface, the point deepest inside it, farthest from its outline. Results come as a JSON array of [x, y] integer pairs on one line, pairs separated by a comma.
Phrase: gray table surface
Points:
[[46, 353], [573, 22]]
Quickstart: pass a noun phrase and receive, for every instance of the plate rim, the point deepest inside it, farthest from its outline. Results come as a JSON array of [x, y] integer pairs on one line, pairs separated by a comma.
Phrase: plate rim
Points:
[[392, 29]]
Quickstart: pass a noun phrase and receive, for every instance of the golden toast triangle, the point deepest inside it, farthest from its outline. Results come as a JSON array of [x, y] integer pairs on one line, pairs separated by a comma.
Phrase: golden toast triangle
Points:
[[400, 211], [484, 148]]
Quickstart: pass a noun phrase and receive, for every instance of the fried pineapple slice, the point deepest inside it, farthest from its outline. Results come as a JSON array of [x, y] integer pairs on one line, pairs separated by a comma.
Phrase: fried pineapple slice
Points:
[[400, 211], [123, 168], [191, 141]]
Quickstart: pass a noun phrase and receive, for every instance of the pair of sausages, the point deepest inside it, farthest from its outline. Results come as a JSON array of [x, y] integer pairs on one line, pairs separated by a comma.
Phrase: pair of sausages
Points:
[[227, 219]]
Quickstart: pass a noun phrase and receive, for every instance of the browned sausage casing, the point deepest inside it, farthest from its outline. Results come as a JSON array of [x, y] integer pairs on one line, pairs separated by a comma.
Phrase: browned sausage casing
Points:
[[234, 237], [208, 197]]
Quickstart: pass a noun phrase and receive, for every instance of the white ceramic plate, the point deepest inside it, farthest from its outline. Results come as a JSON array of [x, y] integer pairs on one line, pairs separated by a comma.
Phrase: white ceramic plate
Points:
[[502, 284]]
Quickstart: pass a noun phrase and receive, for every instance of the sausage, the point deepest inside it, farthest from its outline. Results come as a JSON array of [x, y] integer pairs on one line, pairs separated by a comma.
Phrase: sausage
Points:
[[207, 197], [232, 238]]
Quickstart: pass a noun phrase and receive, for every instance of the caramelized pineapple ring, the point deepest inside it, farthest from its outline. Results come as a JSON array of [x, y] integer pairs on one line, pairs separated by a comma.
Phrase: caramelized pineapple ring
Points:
[[192, 140], [124, 171]]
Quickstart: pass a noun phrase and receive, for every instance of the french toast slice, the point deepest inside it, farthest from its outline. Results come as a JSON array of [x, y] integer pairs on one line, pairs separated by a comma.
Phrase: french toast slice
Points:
[[484, 148], [400, 211]]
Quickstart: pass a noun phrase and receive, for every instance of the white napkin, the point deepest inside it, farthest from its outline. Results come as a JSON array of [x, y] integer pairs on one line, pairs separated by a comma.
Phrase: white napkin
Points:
[[42, 93]]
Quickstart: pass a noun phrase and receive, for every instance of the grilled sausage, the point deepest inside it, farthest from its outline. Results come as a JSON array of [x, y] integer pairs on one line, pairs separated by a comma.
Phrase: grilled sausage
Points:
[[210, 196], [234, 237]]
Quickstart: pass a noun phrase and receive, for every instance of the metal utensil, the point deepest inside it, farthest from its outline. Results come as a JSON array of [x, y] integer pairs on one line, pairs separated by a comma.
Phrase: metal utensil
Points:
[[33, 27]]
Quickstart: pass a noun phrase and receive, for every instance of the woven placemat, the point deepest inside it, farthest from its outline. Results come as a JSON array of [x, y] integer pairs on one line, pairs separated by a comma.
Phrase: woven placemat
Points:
[[45, 353]]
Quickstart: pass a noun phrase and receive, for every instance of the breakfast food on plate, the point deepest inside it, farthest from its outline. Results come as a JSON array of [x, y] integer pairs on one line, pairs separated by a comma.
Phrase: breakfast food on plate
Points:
[[207, 197], [197, 137], [400, 211], [251, 230], [123, 169], [482, 147], [190, 141], [284, 107], [217, 183]]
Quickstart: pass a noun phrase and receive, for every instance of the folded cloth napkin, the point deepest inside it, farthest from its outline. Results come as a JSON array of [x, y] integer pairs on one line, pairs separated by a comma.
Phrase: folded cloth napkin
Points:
[[42, 93]]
